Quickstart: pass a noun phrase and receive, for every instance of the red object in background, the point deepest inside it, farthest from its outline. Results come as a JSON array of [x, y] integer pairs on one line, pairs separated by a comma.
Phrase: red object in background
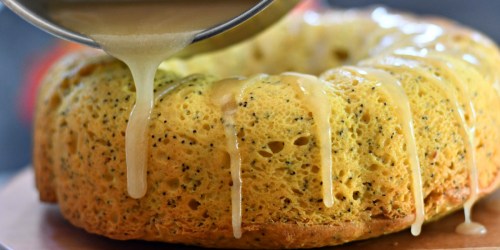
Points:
[[36, 70]]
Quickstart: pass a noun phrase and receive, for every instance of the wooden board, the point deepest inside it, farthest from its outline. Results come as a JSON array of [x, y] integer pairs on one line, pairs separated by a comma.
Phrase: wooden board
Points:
[[26, 223]]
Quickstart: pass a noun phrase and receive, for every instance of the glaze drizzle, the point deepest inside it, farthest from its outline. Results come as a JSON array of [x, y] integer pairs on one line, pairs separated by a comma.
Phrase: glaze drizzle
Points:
[[394, 89], [313, 91], [225, 95]]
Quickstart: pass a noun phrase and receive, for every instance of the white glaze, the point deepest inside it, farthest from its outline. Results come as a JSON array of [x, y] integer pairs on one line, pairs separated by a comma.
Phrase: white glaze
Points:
[[470, 228], [394, 89], [467, 130], [226, 94], [313, 92]]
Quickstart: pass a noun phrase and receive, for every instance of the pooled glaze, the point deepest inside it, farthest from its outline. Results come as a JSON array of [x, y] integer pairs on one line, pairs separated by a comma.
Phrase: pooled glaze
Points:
[[470, 228], [394, 89], [316, 99]]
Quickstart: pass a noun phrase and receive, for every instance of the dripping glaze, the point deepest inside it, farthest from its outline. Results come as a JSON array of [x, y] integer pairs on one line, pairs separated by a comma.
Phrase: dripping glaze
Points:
[[313, 92], [422, 41], [466, 131], [468, 134], [226, 94], [394, 89], [162, 31]]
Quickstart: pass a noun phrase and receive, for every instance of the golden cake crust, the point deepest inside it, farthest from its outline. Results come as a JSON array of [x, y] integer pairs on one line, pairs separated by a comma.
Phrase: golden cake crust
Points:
[[83, 107]]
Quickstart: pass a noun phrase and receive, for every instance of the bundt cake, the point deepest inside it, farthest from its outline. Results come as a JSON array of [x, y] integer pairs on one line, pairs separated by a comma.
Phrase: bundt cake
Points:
[[242, 155]]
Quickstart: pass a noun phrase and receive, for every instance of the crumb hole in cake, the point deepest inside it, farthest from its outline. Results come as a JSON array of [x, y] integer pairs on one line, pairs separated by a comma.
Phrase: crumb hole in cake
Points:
[[374, 167], [366, 117], [431, 197], [380, 216], [315, 169], [205, 214], [54, 102], [359, 132], [452, 166], [241, 133], [341, 173], [382, 100], [340, 196], [63, 124], [173, 184], [286, 202], [206, 127], [297, 192], [276, 146], [64, 86], [386, 158], [356, 195], [265, 153], [399, 131], [226, 160], [348, 109], [72, 143], [467, 117], [166, 141], [91, 135], [90, 108], [194, 204], [301, 141]]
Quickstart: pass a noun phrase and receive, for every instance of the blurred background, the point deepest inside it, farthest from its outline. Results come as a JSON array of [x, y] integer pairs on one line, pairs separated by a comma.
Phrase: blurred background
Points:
[[26, 52]]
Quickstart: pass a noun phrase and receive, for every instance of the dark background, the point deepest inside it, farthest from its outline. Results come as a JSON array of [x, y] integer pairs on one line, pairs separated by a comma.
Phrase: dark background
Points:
[[21, 44]]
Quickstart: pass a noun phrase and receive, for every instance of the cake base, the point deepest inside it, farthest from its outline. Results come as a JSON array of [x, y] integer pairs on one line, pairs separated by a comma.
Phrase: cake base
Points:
[[29, 224]]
